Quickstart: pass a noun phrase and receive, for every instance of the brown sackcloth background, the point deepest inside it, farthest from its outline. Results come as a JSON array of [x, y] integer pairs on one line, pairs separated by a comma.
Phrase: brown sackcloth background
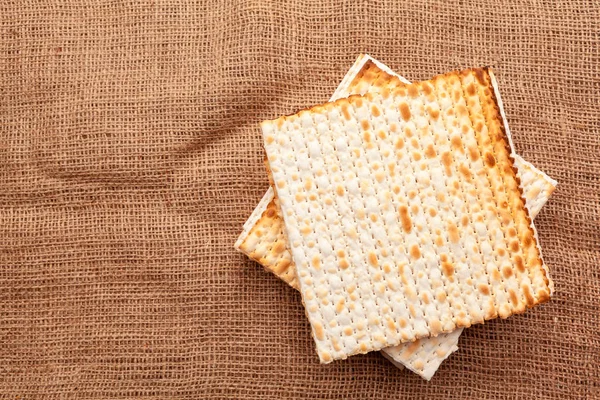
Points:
[[130, 156]]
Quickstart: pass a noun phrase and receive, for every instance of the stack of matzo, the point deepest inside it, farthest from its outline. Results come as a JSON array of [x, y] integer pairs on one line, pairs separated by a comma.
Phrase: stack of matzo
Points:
[[402, 215]]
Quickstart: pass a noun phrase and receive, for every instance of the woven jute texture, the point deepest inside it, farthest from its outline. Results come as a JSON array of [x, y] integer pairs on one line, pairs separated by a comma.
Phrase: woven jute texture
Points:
[[130, 156]]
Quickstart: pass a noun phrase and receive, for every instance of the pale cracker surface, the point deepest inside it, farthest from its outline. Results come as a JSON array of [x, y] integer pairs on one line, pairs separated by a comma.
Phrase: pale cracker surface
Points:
[[383, 257], [263, 234]]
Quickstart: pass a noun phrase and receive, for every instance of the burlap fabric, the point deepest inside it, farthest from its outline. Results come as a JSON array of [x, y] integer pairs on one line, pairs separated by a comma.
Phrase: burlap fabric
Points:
[[130, 156]]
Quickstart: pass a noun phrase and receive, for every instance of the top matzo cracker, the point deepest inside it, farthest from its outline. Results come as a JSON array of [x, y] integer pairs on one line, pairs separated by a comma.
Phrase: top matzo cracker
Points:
[[383, 257]]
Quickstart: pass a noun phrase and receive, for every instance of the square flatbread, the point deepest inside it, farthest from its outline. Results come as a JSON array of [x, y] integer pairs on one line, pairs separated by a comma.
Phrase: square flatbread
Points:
[[263, 240], [384, 257]]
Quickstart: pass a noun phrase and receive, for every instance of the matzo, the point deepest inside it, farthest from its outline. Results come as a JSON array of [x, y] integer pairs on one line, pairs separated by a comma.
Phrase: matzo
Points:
[[383, 257], [263, 234]]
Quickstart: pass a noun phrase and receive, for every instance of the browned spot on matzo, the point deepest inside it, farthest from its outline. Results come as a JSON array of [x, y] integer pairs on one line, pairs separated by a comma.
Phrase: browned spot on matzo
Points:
[[484, 289], [447, 162], [345, 112], [490, 161], [430, 151], [319, 333], [375, 111], [456, 143], [372, 259], [405, 219], [453, 232], [316, 262], [414, 251], [405, 111]]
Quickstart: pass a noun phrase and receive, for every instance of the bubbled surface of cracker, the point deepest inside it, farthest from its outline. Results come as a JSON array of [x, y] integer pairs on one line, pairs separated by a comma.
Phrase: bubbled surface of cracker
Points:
[[383, 257]]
